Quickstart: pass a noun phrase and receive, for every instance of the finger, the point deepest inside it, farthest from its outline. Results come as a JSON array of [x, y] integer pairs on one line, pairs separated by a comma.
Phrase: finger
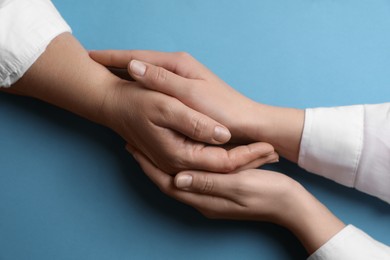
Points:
[[193, 124], [213, 184], [180, 63], [217, 159], [210, 205], [272, 158], [159, 79], [111, 58]]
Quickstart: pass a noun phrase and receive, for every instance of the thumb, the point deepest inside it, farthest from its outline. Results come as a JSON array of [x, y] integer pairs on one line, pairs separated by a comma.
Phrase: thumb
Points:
[[189, 122], [215, 184], [159, 79]]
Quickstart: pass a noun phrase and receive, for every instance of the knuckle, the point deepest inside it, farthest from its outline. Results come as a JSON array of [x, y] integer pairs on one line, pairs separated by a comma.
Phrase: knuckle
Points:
[[199, 125], [206, 184], [160, 75], [177, 162], [166, 111], [182, 55]]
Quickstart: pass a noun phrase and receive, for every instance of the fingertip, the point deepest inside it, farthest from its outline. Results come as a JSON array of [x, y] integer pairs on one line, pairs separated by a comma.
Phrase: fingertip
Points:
[[137, 68], [183, 181], [273, 158], [221, 134]]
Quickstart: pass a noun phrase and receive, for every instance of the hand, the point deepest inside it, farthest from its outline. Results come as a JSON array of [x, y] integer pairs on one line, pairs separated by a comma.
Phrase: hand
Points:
[[246, 194], [197, 87], [165, 130], [250, 195], [183, 77], [158, 125]]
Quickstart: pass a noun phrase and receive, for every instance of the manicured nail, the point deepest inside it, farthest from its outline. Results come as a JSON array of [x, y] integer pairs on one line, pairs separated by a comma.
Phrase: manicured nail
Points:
[[183, 181], [137, 67], [221, 134]]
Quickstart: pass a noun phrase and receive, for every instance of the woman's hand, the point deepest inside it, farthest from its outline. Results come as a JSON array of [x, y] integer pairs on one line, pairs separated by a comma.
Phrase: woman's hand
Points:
[[250, 195], [174, 136], [181, 76], [170, 133], [194, 85]]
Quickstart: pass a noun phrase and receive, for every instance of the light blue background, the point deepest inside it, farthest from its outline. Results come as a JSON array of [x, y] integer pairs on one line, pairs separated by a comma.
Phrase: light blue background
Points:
[[69, 190]]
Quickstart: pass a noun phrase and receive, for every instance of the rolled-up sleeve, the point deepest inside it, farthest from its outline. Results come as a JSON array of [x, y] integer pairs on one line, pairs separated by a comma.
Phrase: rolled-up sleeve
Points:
[[350, 145], [26, 29]]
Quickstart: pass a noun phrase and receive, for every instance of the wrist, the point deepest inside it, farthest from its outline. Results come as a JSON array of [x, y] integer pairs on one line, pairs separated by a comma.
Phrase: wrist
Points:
[[281, 127], [65, 76], [309, 220], [116, 105]]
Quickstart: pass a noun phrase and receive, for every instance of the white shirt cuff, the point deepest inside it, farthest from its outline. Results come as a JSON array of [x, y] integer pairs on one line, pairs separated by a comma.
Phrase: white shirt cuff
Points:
[[351, 243], [26, 28], [373, 175], [332, 142]]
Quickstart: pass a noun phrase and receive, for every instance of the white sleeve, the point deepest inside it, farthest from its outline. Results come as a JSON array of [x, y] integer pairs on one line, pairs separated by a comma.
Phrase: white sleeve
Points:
[[350, 145], [26, 28], [351, 243]]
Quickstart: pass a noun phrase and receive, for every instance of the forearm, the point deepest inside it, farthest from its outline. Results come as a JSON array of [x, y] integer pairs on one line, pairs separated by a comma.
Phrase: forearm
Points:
[[65, 76], [281, 127], [310, 221]]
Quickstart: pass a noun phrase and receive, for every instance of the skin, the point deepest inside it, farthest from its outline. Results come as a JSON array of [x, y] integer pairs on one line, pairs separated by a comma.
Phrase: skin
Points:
[[172, 135], [246, 194], [251, 194], [181, 76]]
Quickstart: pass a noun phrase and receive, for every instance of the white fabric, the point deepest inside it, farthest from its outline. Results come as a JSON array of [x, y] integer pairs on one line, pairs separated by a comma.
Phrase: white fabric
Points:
[[26, 28], [350, 145], [332, 142], [351, 244]]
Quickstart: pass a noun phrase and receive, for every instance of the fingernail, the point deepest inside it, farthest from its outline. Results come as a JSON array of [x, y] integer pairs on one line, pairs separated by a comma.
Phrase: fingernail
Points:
[[137, 67], [183, 181], [221, 134]]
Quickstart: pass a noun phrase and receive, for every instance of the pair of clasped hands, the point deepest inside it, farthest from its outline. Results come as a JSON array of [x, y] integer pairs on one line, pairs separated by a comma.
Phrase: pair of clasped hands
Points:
[[194, 143], [201, 142], [195, 137]]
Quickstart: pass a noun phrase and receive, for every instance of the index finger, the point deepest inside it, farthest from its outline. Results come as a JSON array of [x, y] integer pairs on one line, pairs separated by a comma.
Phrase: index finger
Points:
[[121, 58], [180, 63]]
